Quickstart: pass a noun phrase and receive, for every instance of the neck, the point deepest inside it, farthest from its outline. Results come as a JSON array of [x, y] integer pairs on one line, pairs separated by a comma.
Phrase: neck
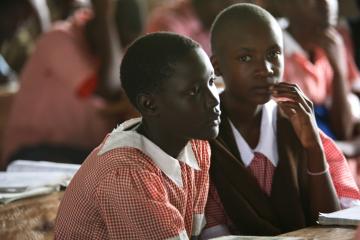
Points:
[[246, 118], [169, 143], [239, 111]]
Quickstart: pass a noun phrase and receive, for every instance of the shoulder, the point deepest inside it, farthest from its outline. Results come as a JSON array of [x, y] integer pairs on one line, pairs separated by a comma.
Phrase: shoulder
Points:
[[99, 165], [132, 180]]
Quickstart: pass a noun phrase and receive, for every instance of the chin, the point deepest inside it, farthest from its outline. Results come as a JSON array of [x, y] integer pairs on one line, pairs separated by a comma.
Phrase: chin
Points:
[[262, 100], [209, 135]]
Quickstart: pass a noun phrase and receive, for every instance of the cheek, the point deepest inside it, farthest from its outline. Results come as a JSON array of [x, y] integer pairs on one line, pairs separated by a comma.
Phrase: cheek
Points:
[[278, 67], [182, 109], [236, 77]]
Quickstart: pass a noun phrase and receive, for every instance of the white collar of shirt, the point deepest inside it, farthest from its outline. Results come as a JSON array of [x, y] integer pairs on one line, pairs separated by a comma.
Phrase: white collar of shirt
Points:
[[267, 142], [168, 165]]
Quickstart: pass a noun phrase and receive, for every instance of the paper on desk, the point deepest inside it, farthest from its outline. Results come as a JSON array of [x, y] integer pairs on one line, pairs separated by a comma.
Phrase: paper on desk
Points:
[[345, 217], [22, 181], [25, 178], [42, 166], [9, 197], [233, 237]]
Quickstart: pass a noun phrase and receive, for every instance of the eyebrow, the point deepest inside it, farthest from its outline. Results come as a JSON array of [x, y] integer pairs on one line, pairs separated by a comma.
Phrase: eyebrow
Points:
[[247, 49], [275, 46]]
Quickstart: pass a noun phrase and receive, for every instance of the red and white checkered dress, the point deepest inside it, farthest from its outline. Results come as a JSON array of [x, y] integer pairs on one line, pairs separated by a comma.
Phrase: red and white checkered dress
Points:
[[344, 183], [123, 194]]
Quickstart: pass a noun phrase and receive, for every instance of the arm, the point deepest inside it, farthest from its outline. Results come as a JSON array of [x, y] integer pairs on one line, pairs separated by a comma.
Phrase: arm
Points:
[[299, 110], [345, 185], [130, 17], [103, 37], [216, 219], [340, 112]]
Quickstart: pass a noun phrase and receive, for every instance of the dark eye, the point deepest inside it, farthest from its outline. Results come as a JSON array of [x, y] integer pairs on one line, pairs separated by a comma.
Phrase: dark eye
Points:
[[194, 91], [211, 81], [245, 58], [274, 54]]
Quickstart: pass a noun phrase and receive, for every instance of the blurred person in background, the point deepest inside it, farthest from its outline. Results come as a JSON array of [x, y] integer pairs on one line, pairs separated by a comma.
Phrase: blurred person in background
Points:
[[68, 99], [319, 59]]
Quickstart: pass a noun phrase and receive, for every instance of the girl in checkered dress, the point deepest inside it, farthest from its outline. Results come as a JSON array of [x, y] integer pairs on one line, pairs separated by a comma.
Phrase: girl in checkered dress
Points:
[[149, 178]]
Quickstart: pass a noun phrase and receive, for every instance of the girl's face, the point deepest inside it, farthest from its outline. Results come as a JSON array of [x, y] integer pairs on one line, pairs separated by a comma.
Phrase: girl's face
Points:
[[189, 101], [251, 60]]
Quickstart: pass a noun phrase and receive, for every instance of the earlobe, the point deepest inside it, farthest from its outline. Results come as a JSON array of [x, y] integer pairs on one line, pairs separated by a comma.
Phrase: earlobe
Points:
[[215, 64], [147, 104]]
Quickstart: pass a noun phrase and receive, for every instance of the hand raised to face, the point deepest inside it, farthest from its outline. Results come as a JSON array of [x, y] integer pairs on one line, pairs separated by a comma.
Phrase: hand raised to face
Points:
[[296, 107]]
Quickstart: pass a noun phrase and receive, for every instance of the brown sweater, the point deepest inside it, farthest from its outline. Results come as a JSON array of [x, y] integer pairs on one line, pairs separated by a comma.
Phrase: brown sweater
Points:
[[250, 209]]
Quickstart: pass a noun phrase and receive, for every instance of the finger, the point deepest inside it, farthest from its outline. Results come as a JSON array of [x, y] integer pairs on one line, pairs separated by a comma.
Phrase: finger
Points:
[[297, 107], [294, 96], [288, 112], [297, 89]]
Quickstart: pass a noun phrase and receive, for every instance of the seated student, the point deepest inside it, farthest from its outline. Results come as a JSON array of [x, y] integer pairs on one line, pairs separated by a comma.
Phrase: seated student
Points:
[[319, 59], [149, 179], [323, 66], [58, 115], [272, 170]]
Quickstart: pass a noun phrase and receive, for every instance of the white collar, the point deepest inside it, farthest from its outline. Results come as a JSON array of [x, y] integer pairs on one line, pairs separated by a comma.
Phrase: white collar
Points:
[[267, 142], [169, 166]]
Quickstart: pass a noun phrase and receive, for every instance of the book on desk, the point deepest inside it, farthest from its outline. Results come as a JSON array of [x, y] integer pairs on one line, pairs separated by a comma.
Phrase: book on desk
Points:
[[345, 217], [233, 237], [25, 178]]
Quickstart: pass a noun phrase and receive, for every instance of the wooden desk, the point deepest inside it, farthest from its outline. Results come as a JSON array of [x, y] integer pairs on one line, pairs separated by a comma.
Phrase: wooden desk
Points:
[[324, 233], [31, 218]]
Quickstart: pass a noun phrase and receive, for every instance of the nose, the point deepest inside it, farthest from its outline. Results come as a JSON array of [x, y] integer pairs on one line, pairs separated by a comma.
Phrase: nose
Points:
[[265, 68], [212, 99]]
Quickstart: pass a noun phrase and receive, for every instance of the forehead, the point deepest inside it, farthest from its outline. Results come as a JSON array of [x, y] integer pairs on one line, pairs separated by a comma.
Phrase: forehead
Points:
[[190, 70], [254, 34]]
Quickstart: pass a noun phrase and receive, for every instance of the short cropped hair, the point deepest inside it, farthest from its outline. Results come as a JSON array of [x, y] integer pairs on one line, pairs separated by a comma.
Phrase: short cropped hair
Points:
[[150, 60], [234, 16]]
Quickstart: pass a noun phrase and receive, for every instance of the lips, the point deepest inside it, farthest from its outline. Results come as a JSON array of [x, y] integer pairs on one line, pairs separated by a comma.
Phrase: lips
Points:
[[215, 119], [262, 90]]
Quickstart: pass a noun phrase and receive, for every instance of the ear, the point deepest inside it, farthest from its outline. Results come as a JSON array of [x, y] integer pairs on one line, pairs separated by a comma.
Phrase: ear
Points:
[[215, 64], [147, 104]]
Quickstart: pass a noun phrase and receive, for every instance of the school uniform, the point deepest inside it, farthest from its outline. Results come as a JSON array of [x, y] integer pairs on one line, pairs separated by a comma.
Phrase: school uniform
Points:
[[314, 78], [264, 191], [128, 188]]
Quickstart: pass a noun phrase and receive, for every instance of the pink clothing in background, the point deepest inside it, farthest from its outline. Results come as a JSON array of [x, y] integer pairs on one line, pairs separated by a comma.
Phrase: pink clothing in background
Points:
[[48, 108], [315, 79], [180, 17]]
